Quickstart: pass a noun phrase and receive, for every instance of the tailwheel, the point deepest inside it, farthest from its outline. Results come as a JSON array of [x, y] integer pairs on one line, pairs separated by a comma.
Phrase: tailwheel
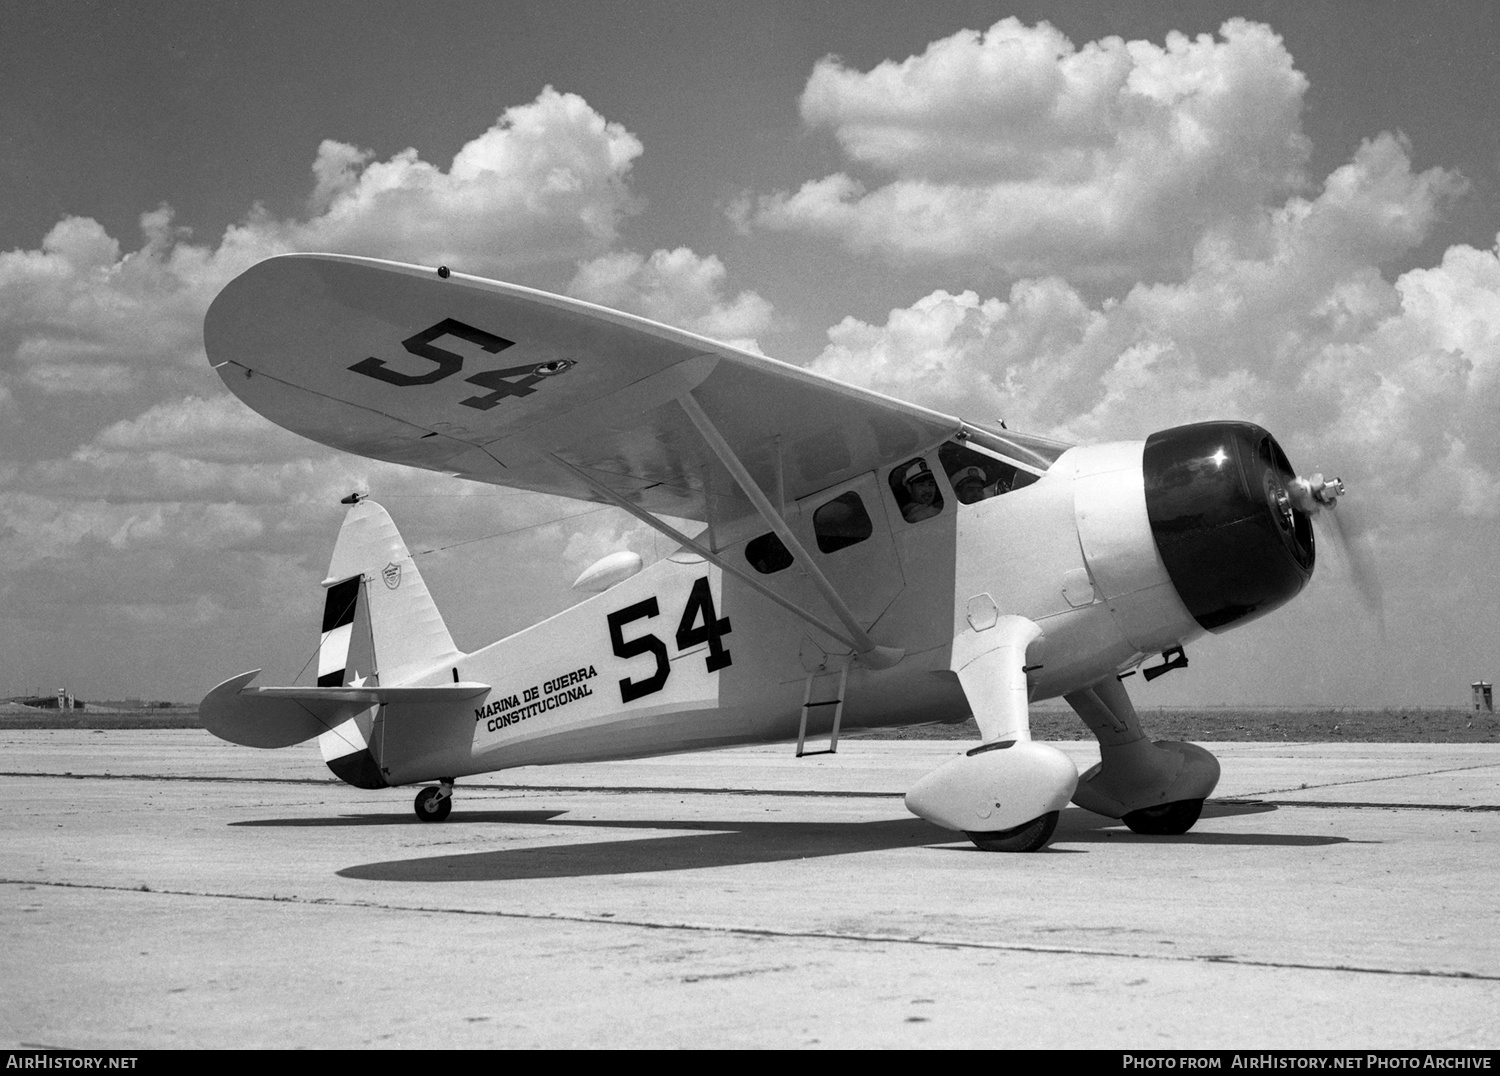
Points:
[[432, 805], [1027, 837], [1166, 819]]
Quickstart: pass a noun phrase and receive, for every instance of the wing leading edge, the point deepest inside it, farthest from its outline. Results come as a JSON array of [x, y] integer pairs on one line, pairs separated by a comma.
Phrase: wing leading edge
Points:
[[486, 380]]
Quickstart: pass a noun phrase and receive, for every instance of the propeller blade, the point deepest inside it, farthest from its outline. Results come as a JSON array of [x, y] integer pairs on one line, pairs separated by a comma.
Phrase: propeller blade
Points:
[[1342, 527], [1362, 570]]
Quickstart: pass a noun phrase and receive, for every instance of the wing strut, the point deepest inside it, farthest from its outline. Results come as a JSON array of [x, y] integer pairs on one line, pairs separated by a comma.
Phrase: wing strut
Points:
[[702, 550], [870, 652]]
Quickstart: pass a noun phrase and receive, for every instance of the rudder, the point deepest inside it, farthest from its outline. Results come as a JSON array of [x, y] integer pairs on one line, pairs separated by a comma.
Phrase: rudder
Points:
[[380, 627]]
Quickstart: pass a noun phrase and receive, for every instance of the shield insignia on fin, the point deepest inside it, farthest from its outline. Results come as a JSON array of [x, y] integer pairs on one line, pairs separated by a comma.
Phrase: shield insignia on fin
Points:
[[391, 573]]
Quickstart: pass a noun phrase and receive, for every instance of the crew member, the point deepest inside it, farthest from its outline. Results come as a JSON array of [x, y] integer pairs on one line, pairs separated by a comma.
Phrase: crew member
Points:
[[921, 486], [969, 485]]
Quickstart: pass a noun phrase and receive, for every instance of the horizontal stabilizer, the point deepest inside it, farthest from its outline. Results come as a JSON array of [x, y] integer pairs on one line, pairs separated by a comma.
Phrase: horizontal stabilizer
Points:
[[282, 716], [371, 696]]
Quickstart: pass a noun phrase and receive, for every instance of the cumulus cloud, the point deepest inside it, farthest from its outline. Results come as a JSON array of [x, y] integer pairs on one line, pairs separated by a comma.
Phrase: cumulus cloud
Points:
[[1284, 319], [546, 182], [1014, 148], [77, 316], [183, 493], [1179, 163], [220, 427], [676, 287]]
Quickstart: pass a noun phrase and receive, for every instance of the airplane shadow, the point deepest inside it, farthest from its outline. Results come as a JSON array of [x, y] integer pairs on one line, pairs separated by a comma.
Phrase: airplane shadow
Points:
[[1212, 809], [1079, 825], [707, 844], [405, 818], [696, 845], [1234, 808]]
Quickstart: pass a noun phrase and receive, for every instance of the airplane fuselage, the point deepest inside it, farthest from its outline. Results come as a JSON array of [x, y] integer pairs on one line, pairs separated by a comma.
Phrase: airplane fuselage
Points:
[[684, 656]]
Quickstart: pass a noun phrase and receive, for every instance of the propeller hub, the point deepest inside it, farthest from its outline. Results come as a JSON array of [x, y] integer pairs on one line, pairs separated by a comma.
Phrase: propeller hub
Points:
[[1312, 494]]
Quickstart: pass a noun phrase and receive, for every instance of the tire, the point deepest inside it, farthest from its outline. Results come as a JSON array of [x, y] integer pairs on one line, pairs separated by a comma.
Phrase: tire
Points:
[[1028, 837], [432, 805], [1165, 820]]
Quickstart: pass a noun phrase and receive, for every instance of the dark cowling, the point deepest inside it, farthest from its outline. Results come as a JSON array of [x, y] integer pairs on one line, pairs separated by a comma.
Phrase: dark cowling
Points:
[[1234, 543]]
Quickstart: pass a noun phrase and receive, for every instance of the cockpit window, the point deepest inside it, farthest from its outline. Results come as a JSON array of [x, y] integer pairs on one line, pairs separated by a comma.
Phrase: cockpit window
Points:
[[842, 522], [767, 554], [976, 476], [916, 490], [1026, 449]]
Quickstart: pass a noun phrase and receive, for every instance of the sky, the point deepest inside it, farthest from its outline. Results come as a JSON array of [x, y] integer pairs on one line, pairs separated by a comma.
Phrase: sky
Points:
[[1093, 221]]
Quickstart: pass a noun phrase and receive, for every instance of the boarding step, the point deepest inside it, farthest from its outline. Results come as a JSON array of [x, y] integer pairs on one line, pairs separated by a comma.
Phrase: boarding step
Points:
[[809, 704]]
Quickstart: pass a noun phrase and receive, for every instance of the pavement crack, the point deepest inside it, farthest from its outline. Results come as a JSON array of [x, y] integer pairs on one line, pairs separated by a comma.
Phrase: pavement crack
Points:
[[742, 974], [1359, 805], [846, 936], [1375, 780], [329, 782]]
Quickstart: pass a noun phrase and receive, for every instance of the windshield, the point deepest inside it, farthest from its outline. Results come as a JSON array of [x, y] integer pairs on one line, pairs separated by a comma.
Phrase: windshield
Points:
[[1028, 450]]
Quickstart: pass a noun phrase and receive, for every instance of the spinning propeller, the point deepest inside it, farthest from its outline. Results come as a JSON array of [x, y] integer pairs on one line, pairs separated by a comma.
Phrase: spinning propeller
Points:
[[1320, 499]]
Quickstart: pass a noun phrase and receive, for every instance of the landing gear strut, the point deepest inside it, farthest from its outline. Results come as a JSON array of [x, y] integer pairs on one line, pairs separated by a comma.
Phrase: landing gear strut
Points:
[[1004, 794], [434, 804], [1155, 788]]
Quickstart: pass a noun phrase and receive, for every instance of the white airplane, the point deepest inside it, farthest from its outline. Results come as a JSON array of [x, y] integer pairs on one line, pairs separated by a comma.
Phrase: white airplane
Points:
[[865, 562]]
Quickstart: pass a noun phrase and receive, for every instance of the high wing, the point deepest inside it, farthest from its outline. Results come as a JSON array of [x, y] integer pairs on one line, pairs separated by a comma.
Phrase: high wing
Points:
[[501, 384]]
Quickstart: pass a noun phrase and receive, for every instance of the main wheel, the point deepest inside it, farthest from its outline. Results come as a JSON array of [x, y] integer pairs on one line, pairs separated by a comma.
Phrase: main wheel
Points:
[[1027, 837], [1166, 819], [432, 805]]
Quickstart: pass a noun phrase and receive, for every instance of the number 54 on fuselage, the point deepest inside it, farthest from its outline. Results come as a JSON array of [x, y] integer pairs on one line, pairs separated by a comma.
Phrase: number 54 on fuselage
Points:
[[863, 561]]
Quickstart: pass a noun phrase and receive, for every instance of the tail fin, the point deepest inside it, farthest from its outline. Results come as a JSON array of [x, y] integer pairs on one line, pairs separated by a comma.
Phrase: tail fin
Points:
[[380, 627], [378, 617]]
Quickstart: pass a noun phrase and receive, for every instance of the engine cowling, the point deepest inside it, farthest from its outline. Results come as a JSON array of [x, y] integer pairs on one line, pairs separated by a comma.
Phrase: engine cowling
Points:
[[1232, 538]]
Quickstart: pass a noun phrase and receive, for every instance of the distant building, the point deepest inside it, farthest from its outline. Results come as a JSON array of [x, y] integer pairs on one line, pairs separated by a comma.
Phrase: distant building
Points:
[[63, 700]]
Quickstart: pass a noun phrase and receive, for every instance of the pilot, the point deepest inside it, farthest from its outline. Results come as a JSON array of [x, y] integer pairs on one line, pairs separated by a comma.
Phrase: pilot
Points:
[[969, 484], [921, 485]]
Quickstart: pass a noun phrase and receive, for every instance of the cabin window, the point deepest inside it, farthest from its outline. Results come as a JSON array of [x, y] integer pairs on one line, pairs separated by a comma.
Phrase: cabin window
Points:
[[977, 477], [767, 554], [842, 522], [915, 488]]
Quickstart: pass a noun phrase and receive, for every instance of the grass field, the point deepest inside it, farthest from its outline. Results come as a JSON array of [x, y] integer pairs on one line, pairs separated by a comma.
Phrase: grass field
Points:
[[1266, 726], [1300, 726], [177, 717]]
